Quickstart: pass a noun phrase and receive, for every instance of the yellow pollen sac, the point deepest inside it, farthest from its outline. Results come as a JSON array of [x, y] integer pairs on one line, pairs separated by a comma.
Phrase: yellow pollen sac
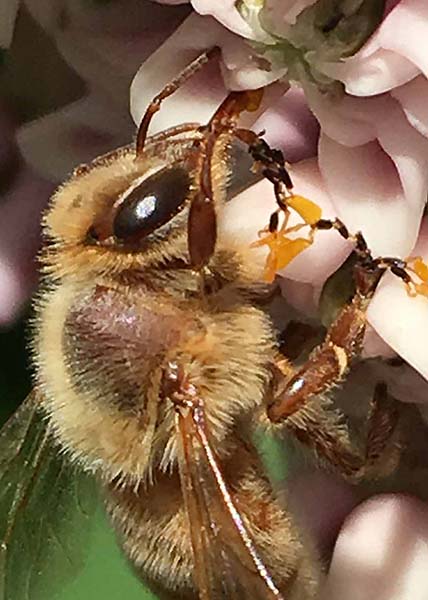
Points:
[[282, 251], [308, 210], [289, 249], [420, 268], [421, 289]]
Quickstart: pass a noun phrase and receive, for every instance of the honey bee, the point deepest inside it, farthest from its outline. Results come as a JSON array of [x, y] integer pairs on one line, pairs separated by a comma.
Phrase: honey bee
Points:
[[156, 360]]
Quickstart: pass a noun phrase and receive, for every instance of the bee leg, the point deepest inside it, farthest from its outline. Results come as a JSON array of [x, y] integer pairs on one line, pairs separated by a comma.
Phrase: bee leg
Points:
[[324, 431], [202, 223], [272, 164], [383, 421], [326, 365]]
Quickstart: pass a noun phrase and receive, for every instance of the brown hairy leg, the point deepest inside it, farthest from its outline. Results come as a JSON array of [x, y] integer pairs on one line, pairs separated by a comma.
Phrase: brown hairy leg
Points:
[[329, 362], [323, 429], [300, 401]]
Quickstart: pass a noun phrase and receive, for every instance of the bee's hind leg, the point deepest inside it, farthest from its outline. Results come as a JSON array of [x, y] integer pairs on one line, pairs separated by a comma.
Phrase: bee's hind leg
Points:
[[324, 430]]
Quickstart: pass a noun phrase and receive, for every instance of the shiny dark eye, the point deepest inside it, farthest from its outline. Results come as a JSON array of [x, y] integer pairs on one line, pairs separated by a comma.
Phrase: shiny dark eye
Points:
[[151, 204]]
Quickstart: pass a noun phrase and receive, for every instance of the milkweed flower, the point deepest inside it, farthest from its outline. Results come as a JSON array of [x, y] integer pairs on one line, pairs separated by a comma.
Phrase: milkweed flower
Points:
[[362, 71]]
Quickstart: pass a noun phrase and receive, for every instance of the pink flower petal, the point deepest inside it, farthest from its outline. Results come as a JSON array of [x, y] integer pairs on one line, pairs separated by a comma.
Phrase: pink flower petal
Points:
[[400, 320], [290, 126], [381, 552], [409, 151], [346, 120], [374, 346], [45, 12], [403, 381], [369, 197], [207, 86], [106, 45], [194, 36], [321, 502], [405, 31], [374, 74], [172, 1], [241, 67], [301, 296], [413, 98], [141, 17], [316, 263], [226, 13]]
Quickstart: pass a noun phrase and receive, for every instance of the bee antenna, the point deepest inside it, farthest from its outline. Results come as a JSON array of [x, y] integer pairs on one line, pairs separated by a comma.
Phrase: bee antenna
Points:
[[167, 91]]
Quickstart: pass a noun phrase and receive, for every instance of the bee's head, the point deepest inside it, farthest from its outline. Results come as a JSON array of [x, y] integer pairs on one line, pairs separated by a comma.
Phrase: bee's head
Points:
[[123, 212]]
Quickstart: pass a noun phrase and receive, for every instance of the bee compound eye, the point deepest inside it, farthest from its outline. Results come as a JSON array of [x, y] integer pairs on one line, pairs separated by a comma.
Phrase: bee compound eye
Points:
[[151, 204]]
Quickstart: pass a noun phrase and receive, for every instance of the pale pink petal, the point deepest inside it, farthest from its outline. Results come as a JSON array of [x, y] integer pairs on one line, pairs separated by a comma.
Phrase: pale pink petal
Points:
[[141, 17], [346, 120], [224, 12], [194, 36], [403, 381], [301, 296], [56, 143], [381, 552], [106, 46], [241, 67], [46, 13], [19, 241], [197, 100], [316, 263], [409, 151], [290, 126], [321, 502], [106, 63], [368, 196], [413, 98], [374, 345], [8, 13], [400, 320], [405, 31], [382, 118], [374, 74]]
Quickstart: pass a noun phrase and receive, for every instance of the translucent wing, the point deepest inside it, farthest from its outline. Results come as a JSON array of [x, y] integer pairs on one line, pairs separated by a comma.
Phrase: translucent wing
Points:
[[45, 505], [227, 564]]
